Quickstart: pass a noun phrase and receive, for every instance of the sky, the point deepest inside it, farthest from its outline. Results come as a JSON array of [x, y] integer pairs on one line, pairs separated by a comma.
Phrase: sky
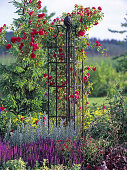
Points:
[[114, 14]]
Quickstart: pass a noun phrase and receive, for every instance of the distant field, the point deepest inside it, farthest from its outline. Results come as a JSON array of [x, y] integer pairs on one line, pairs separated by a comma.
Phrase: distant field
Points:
[[6, 59], [98, 60]]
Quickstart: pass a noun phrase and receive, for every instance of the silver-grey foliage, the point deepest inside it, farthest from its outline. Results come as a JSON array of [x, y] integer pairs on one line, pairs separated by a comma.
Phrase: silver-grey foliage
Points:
[[27, 133]]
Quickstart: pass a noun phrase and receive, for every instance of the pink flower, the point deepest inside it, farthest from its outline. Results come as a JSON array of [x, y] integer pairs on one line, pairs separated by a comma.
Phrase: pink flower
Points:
[[103, 107], [94, 68], [8, 46], [20, 24]]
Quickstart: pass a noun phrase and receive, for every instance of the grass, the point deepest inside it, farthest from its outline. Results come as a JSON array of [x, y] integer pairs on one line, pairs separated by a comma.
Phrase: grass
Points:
[[99, 101]]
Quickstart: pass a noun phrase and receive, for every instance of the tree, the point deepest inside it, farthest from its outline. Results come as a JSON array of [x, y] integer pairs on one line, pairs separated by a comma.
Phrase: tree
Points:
[[122, 59]]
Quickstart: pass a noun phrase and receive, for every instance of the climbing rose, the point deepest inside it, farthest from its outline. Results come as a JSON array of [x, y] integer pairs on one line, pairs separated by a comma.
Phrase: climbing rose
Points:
[[88, 68], [81, 33], [1, 28], [8, 46], [44, 75], [94, 68], [60, 50], [11, 130], [2, 108], [13, 39], [99, 8], [41, 15], [32, 55], [37, 122], [85, 79], [98, 44], [20, 24], [18, 39], [31, 13]]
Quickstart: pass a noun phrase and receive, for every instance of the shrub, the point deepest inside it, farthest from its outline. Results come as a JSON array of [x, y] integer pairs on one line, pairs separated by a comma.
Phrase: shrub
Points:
[[105, 80], [118, 111]]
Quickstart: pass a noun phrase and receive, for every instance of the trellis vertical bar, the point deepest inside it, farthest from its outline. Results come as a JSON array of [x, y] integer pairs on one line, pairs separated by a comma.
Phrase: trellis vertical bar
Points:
[[82, 100], [48, 93], [68, 55], [56, 88], [74, 79]]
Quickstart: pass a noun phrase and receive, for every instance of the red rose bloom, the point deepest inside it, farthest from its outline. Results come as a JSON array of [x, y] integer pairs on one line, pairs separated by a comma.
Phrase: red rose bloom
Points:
[[1, 28], [13, 39], [32, 55], [40, 32], [41, 15], [18, 39], [44, 22], [50, 77], [8, 46], [94, 68], [1, 109], [44, 75], [98, 44], [37, 122], [31, 13], [60, 50], [88, 68], [99, 8], [81, 33], [85, 79]]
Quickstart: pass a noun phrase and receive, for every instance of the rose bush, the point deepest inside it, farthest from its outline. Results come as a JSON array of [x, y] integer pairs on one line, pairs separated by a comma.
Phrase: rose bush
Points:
[[33, 31]]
